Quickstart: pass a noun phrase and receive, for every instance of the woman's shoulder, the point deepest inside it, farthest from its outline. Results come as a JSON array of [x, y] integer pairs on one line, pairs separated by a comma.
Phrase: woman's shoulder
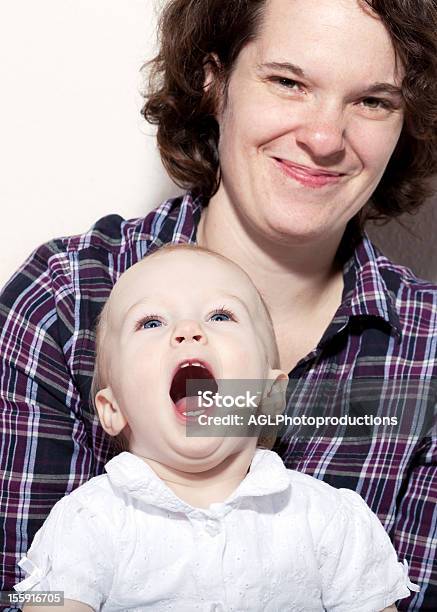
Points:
[[379, 285], [59, 270], [113, 233], [397, 276], [109, 235]]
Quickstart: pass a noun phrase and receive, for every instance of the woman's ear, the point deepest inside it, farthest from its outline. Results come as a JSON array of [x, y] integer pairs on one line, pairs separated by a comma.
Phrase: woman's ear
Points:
[[213, 83], [110, 415], [211, 68]]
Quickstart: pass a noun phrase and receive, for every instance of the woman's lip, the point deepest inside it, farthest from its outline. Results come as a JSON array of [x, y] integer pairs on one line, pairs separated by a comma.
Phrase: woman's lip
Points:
[[308, 176]]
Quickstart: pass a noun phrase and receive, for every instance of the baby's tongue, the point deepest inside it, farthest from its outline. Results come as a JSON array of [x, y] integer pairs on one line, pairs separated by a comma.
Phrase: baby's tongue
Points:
[[186, 404]]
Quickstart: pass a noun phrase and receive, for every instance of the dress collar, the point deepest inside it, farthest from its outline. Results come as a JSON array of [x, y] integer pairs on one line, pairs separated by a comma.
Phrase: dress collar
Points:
[[134, 477]]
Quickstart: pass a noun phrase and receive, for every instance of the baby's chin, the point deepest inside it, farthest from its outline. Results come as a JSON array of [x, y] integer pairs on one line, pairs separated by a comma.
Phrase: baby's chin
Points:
[[202, 454], [198, 454]]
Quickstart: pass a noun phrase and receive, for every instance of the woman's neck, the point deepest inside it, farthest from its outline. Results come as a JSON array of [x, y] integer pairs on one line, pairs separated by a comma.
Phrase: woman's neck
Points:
[[294, 278]]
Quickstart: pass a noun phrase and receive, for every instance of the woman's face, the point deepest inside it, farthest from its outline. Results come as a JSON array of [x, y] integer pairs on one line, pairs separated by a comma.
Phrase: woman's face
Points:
[[311, 117]]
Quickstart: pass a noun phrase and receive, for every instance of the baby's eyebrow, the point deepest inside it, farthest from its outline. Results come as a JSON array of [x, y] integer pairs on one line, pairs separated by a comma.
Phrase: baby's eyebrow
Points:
[[219, 296], [143, 300], [225, 294]]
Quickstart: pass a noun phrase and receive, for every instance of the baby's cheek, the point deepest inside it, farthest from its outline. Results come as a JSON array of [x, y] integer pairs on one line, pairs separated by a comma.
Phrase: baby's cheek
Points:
[[247, 359]]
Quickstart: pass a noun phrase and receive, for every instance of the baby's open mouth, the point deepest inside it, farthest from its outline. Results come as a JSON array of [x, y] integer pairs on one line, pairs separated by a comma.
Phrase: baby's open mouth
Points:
[[191, 377]]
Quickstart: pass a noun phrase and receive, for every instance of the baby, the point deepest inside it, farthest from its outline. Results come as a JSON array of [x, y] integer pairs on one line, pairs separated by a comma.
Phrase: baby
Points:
[[187, 522]]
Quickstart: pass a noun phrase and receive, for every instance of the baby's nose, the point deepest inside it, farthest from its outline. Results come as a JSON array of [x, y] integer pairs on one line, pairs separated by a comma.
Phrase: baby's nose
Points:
[[188, 331]]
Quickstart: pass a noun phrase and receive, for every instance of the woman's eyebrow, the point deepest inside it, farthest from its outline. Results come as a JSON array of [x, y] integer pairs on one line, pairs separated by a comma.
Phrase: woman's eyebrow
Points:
[[381, 88], [284, 66]]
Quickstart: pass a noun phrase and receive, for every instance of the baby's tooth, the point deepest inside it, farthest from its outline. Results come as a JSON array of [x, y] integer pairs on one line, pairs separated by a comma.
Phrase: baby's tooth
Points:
[[193, 413], [194, 363]]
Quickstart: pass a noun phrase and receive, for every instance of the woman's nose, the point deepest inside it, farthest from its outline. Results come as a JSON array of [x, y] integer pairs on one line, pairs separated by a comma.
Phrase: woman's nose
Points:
[[188, 331], [322, 136]]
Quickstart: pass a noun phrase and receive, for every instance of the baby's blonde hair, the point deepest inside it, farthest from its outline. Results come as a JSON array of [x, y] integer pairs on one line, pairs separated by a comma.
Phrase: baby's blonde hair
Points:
[[99, 381]]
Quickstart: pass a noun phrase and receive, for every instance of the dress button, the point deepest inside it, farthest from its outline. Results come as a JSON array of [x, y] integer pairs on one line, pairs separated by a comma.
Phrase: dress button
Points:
[[212, 527]]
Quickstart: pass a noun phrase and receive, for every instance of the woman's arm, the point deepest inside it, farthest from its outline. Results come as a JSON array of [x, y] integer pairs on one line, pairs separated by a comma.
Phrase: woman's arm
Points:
[[392, 608], [39, 403]]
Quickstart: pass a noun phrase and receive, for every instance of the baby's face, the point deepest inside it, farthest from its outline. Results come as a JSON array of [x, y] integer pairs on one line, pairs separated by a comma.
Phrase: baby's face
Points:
[[178, 308]]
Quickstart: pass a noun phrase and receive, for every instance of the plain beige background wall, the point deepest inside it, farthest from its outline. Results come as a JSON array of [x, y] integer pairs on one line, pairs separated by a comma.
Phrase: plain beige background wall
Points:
[[73, 146]]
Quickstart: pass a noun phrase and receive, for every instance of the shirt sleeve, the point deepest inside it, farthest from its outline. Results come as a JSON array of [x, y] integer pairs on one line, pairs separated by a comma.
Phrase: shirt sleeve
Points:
[[72, 552], [414, 529], [45, 450], [358, 563]]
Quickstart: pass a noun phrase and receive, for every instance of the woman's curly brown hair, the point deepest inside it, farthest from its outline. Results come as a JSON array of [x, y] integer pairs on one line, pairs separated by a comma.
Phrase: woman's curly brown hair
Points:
[[176, 101]]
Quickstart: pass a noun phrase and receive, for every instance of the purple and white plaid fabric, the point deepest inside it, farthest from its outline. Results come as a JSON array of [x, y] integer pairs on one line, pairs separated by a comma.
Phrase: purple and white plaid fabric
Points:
[[384, 335]]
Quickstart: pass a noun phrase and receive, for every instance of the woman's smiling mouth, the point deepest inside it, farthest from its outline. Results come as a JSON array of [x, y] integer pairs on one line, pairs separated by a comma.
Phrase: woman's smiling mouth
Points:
[[309, 177]]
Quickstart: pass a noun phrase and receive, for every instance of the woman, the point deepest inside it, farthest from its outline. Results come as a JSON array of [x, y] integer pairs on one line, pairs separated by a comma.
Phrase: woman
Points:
[[291, 122]]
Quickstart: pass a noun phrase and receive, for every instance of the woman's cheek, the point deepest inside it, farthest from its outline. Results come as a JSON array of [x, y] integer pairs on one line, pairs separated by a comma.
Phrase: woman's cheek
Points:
[[374, 143]]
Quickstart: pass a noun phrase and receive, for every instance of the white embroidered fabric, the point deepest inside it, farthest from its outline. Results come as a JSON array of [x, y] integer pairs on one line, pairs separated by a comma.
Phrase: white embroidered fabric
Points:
[[282, 542]]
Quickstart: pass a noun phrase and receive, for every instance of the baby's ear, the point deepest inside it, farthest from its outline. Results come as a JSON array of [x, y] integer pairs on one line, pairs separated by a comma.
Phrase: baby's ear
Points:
[[110, 415], [275, 394]]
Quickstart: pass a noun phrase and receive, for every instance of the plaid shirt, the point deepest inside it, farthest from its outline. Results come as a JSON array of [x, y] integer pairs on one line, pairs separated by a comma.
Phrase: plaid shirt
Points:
[[384, 330]]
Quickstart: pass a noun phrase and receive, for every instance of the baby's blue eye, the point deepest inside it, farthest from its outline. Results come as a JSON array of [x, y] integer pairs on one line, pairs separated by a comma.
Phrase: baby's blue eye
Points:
[[220, 317], [151, 323], [223, 314]]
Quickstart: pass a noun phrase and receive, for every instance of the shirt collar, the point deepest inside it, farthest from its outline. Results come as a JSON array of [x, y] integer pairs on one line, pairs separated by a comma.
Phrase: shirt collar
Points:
[[134, 477], [369, 285]]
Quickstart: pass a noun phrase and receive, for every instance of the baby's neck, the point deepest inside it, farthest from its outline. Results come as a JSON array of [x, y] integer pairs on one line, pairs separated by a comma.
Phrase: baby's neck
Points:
[[201, 489]]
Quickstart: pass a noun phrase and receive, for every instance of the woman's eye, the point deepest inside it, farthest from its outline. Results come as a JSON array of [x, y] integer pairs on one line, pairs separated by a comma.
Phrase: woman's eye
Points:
[[376, 104], [286, 83], [222, 314]]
